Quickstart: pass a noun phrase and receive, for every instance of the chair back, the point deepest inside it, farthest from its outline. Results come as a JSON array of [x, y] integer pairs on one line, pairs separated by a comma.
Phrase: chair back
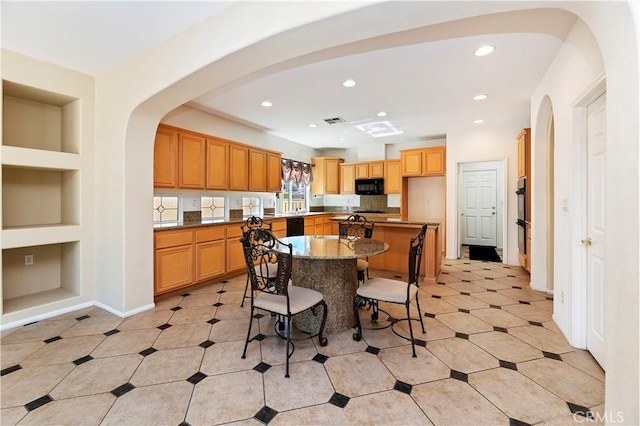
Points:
[[254, 222], [355, 226], [260, 254], [415, 255]]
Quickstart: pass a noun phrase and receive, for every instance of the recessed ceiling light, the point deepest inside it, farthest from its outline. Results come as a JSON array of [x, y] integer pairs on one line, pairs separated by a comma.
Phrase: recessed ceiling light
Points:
[[349, 83], [313, 125], [266, 104], [484, 50], [478, 121], [480, 97], [342, 139], [382, 114]]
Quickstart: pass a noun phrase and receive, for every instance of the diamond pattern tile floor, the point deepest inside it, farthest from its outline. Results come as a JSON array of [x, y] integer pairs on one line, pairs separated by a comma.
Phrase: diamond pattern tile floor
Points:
[[491, 355]]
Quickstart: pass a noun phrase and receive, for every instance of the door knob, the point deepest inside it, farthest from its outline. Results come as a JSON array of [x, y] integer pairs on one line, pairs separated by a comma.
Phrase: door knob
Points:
[[493, 213], [586, 241]]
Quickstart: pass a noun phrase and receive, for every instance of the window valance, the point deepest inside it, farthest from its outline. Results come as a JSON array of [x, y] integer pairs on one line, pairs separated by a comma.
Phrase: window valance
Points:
[[296, 171]]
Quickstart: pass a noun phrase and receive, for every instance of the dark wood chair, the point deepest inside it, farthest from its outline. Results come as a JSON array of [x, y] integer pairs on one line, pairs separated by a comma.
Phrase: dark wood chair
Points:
[[394, 291], [251, 223], [357, 226], [274, 293]]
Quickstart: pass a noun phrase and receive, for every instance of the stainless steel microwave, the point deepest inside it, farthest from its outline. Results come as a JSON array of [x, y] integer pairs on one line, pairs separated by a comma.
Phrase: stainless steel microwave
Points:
[[370, 186]]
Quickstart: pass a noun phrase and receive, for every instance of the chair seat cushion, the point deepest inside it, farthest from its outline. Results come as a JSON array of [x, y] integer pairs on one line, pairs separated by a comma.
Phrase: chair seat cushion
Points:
[[386, 290], [362, 265], [300, 299]]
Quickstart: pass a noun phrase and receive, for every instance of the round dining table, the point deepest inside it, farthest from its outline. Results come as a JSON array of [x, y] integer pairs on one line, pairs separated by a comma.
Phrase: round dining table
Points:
[[328, 264]]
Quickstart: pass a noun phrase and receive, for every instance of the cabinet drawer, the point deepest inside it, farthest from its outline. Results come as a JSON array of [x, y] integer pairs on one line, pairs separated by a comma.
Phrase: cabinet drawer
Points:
[[234, 231], [279, 225], [210, 234], [173, 239]]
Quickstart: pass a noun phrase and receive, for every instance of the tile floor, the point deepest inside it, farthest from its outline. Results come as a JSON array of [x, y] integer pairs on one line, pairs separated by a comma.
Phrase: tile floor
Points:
[[491, 355]]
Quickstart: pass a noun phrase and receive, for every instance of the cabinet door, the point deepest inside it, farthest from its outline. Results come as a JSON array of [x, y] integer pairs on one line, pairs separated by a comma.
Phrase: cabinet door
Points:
[[191, 162], [347, 179], [376, 170], [362, 171], [173, 268], [411, 163], [332, 176], [434, 161], [238, 168], [257, 170], [522, 155], [235, 255], [392, 177], [210, 260], [274, 172], [165, 159], [217, 164]]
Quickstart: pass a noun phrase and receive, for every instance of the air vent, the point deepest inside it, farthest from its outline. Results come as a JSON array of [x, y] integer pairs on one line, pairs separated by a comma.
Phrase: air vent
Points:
[[334, 120]]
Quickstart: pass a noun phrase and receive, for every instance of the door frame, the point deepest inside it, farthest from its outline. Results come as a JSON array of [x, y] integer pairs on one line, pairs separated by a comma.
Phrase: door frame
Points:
[[578, 214], [501, 200]]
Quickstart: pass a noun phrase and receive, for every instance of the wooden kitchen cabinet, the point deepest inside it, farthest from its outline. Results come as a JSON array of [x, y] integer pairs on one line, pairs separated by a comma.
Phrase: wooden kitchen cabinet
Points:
[[326, 175], [523, 152], [274, 172], [376, 169], [347, 178], [257, 170], [235, 254], [412, 162], [217, 164], [392, 177], [191, 161], [362, 170], [174, 256], [165, 158], [429, 161], [238, 167], [210, 251]]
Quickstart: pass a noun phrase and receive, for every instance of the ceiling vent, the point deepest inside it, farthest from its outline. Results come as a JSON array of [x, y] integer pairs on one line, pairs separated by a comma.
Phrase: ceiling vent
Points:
[[334, 120]]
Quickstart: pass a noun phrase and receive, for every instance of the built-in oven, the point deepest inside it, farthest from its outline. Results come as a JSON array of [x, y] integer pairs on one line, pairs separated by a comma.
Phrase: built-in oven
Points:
[[522, 215]]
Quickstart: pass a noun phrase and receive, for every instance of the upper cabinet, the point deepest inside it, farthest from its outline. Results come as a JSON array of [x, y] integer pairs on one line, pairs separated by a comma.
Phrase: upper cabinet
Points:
[[326, 175], [347, 178], [524, 138], [424, 161], [392, 177], [186, 159]]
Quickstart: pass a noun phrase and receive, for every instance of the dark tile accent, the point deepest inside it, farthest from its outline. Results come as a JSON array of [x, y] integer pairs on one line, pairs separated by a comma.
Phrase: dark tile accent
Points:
[[486, 269], [500, 329], [217, 305], [111, 332], [258, 316], [31, 323], [537, 324], [509, 365], [492, 290], [206, 344], [53, 339], [488, 278], [398, 277], [372, 350], [260, 337], [466, 281], [515, 286], [580, 410], [551, 355], [466, 311], [462, 336], [197, 378], [441, 283], [339, 400], [511, 276], [10, 369], [185, 294], [467, 263], [177, 308], [83, 360], [428, 315], [164, 326], [262, 367], [403, 387], [36, 403], [265, 415], [516, 422], [84, 317], [436, 296], [224, 281], [121, 390], [420, 342], [447, 264], [549, 298], [444, 273], [523, 302], [221, 291], [464, 293], [466, 270], [459, 375], [495, 306], [148, 351], [213, 321], [320, 358]]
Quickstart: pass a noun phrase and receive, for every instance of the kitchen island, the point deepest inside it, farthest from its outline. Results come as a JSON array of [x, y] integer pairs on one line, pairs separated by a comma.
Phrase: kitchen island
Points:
[[398, 233]]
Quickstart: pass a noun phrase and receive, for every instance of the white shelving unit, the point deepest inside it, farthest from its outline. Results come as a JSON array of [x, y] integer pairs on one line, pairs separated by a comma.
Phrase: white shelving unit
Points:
[[41, 202]]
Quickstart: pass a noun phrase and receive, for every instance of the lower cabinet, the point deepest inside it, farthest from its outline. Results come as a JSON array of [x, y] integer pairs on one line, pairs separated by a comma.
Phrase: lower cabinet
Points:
[[235, 255]]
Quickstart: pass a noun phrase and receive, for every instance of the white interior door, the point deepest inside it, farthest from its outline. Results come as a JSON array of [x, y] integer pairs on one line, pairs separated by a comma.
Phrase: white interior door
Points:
[[478, 208], [594, 240]]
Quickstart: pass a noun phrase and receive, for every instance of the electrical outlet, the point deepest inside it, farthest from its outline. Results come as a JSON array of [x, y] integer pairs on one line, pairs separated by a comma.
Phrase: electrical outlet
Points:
[[28, 260]]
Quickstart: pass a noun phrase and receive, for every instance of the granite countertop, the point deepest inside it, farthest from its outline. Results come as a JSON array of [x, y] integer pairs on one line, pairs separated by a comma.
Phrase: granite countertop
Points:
[[396, 220], [210, 222], [333, 247]]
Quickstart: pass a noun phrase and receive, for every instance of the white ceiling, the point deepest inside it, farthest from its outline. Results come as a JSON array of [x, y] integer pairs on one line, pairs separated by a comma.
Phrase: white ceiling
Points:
[[425, 87]]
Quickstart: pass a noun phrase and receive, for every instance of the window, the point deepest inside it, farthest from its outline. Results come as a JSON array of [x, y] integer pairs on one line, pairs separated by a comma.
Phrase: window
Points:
[[165, 210], [212, 207], [295, 196], [251, 206]]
